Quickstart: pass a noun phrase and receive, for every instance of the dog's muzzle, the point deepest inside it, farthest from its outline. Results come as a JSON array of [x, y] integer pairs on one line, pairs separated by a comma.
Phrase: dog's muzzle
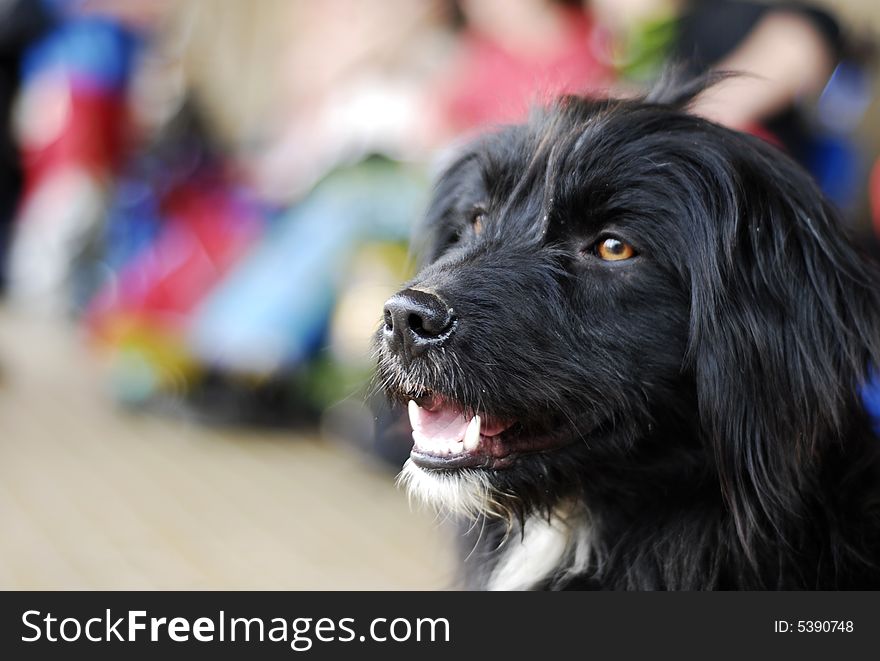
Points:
[[415, 321]]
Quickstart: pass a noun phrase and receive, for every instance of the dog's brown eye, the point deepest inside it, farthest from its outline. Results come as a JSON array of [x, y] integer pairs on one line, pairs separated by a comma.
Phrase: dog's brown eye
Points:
[[614, 250], [477, 220]]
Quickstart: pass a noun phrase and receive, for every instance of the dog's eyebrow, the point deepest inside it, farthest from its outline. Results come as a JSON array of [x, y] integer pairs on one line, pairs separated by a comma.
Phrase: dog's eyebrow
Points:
[[541, 167], [550, 175], [567, 143]]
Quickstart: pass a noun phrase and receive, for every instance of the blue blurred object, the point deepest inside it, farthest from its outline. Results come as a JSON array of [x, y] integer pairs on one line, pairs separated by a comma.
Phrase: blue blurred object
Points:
[[871, 398], [845, 98], [273, 310], [838, 166], [94, 52], [133, 222], [834, 157]]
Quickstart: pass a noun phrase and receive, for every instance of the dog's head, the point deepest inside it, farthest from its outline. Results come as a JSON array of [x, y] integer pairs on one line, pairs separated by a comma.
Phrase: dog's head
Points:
[[618, 288]]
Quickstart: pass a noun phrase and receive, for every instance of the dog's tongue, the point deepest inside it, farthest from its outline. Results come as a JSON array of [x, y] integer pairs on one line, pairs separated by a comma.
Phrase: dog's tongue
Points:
[[443, 429], [442, 426]]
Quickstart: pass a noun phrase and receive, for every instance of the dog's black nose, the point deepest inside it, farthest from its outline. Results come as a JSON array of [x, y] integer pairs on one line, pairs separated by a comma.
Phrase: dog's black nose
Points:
[[416, 320]]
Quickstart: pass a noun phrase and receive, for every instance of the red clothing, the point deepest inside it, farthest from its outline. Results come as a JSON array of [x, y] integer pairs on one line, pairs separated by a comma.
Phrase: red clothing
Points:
[[493, 85]]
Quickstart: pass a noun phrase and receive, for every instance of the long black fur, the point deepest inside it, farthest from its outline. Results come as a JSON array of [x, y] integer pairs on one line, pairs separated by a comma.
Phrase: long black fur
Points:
[[710, 385]]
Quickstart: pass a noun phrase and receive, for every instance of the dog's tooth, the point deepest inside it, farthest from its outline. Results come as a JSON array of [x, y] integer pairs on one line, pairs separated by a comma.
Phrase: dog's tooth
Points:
[[458, 447], [413, 410], [472, 435]]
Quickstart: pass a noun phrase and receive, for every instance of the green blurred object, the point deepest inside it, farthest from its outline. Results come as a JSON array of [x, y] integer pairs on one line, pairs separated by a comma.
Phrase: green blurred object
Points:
[[642, 54]]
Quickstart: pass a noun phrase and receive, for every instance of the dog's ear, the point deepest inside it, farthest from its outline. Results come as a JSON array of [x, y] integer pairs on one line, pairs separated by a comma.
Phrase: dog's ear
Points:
[[785, 321], [457, 188]]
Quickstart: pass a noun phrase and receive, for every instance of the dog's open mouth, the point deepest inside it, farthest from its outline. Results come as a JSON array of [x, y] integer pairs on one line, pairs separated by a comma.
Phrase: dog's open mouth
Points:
[[447, 437]]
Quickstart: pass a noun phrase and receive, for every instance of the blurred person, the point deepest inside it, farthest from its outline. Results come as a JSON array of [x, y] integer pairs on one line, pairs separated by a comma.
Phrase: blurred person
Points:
[[786, 51], [291, 109], [785, 55], [512, 55], [71, 123]]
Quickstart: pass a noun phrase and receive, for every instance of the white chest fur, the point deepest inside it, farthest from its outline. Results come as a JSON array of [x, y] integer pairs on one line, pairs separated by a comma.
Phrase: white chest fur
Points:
[[545, 548]]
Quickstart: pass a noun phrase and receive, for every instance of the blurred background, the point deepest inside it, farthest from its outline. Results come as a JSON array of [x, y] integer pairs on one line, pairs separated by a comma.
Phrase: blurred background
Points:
[[204, 204]]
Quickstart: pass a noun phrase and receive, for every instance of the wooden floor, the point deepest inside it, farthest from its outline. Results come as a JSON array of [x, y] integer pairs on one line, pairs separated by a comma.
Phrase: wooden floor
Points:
[[93, 497]]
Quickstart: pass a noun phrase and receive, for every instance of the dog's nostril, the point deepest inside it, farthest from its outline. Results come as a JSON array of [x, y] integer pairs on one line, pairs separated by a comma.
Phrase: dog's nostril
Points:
[[429, 323], [415, 322], [430, 326]]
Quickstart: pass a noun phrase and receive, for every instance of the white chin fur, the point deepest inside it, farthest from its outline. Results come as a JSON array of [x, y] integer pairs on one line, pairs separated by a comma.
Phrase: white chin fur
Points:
[[461, 493]]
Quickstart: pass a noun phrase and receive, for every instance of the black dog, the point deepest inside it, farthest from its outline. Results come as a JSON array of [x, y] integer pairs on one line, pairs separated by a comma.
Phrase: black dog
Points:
[[634, 357]]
